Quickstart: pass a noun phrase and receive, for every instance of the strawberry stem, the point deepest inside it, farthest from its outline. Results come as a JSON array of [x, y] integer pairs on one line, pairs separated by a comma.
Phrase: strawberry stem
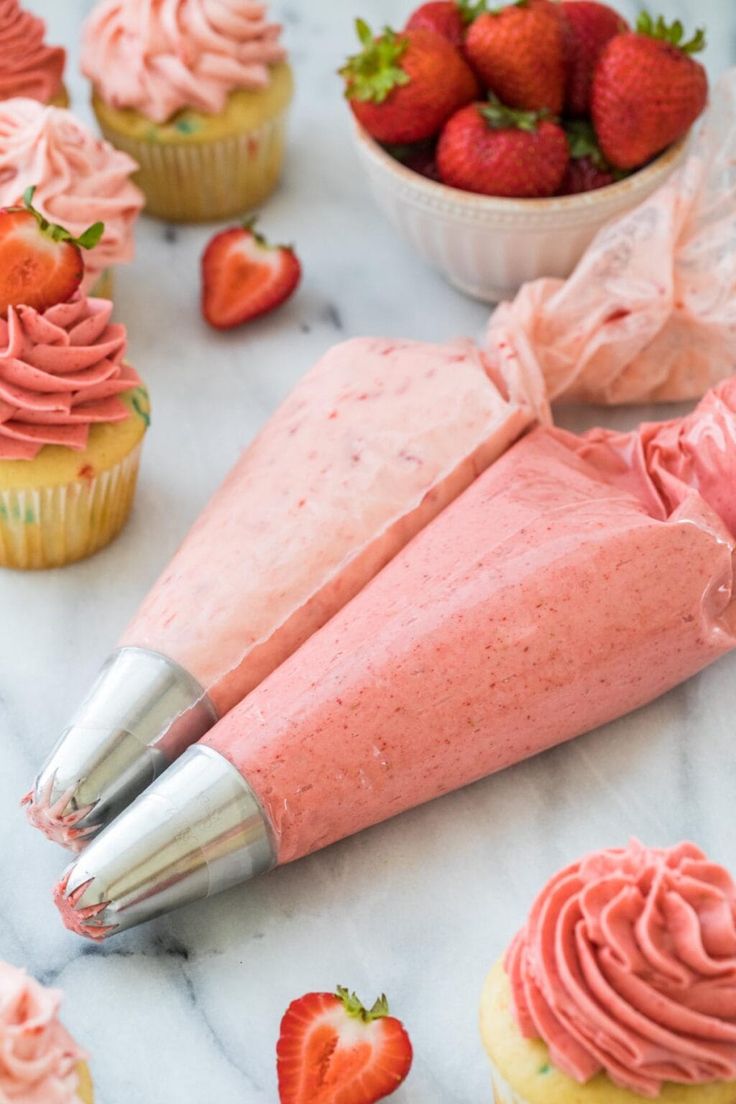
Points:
[[371, 75], [470, 10], [88, 240], [355, 1008], [500, 117], [672, 33]]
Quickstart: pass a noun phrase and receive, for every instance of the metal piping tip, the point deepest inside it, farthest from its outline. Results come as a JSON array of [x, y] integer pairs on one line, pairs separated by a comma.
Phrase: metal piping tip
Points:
[[142, 712], [196, 831]]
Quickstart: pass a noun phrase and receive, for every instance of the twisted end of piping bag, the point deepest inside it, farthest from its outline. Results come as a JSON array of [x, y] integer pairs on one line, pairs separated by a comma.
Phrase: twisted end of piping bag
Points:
[[142, 712], [196, 831]]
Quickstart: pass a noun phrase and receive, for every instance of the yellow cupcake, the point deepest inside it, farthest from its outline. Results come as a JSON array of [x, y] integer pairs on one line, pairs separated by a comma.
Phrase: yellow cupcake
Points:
[[197, 167], [65, 505], [522, 1072], [61, 99]]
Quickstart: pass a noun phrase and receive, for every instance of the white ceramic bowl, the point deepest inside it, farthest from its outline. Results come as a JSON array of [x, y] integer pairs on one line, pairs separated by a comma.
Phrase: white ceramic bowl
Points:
[[488, 246]]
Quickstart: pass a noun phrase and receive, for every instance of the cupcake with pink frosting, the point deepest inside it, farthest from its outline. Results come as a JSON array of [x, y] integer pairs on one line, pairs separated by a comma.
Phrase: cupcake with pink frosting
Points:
[[78, 179], [39, 1061], [197, 92], [28, 67], [621, 987]]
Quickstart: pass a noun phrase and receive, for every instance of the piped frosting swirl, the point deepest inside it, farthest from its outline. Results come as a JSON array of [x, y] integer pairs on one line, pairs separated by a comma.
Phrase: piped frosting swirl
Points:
[[39, 1060], [61, 371], [28, 67], [627, 964], [160, 56]]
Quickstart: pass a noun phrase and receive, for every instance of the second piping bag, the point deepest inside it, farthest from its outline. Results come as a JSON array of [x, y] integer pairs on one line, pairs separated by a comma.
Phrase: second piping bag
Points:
[[576, 579], [371, 444]]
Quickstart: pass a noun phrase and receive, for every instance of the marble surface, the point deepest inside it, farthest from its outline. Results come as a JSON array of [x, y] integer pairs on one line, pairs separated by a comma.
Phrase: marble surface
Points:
[[188, 1009]]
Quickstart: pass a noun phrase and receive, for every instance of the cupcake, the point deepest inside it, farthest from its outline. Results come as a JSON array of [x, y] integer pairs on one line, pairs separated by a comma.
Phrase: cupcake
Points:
[[39, 1061], [197, 92], [78, 179], [621, 987], [73, 413], [28, 67]]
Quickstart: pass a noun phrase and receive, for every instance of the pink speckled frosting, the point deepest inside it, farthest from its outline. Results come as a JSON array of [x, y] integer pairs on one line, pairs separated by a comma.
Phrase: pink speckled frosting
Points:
[[39, 1060], [627, 964], [28, 67], [159, 56], [79, 178], [60, 372]]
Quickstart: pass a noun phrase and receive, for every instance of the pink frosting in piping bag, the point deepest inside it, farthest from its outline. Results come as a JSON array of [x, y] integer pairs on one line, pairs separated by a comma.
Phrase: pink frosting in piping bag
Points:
[[79, 178], [38, 1057], [650, 312], [159, 56], [627, 964], [60, 372], [28, 67]]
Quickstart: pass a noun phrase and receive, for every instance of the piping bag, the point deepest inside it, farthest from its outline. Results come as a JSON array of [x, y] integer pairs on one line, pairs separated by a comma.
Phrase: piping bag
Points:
[[576, 579], [373, 443]]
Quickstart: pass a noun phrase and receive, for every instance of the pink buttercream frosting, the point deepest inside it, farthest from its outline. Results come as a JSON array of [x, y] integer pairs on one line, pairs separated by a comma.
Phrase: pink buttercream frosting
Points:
[[159, 56], [60, 372], [39, 1060], [627, 964], [79, 179], [28, 67]]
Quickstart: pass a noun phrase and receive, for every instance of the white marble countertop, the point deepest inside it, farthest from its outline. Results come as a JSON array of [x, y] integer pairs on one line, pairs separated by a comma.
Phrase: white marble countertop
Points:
[[188, 1009]]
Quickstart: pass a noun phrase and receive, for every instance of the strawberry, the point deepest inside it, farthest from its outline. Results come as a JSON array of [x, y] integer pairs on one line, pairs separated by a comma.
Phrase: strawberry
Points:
[[588, 26], [403, 86], [492, 149], [244, 277], [587, 168], [40, 263], [647, 91], [332, 1050], [448, 18], [519, 53]]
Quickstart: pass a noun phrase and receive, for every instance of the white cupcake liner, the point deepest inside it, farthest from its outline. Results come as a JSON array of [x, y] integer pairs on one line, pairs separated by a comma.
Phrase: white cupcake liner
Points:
[[50, 526], [192, 181]]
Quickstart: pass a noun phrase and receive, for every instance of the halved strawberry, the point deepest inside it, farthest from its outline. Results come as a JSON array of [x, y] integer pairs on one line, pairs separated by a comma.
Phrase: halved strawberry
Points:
[[40, 263], [332, 1049], [244, 277]]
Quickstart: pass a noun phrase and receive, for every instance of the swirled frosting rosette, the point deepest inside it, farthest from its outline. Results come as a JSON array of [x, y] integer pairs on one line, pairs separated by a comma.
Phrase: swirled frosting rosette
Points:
[[627, 965], [159, 56], [61, 371], [39, 1060], [28, 67], [78, 178]]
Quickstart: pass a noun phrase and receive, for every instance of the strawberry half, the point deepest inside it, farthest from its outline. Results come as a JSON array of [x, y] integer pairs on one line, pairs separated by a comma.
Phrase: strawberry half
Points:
[[243, 277], [40, 263], [332, 1050]]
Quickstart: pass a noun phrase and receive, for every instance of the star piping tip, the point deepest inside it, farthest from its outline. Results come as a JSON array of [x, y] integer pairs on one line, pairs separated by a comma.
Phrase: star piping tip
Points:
[[50, 817], [78, 918]]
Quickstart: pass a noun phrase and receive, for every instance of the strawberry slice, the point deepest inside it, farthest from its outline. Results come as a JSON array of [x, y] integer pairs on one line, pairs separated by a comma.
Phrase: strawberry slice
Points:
[[332, 1050], [40, 263], [244, 277]]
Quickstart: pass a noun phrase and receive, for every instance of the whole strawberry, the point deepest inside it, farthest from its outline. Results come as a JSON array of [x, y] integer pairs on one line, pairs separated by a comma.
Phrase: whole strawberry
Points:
[[648, 90], [587, 168], [403, 86], [588, 27], [332, 1050], [449, 18], [492, 149], [519, 53]]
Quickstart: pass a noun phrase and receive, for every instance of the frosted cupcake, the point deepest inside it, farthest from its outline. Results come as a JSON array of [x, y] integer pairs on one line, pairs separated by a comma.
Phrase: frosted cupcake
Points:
[[73, 413], [196, 91], [78, 179], [621, 987], [39, 1061], [28, 67]]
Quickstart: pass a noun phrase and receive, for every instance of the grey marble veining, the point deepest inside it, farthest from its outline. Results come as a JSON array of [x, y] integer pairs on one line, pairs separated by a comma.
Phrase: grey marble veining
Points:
[[188, 1009]]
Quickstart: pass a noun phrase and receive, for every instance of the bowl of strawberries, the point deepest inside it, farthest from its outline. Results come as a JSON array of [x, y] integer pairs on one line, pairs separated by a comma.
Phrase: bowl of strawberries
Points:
[[499, 141]]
